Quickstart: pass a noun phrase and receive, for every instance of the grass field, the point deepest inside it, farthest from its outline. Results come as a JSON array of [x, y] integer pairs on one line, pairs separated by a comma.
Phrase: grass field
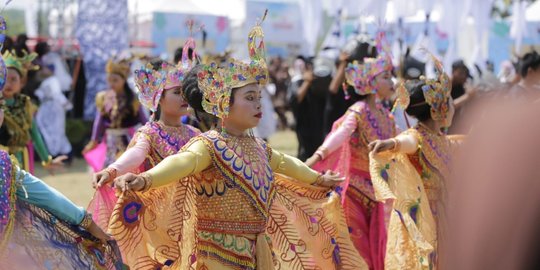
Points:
[[75, 181]]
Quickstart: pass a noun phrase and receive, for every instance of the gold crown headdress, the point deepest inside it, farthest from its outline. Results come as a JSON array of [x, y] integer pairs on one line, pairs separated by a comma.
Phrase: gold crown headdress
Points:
[[362, 76], [436, 93], [151, 83], [119, 67], [21, 64], [217, 82]]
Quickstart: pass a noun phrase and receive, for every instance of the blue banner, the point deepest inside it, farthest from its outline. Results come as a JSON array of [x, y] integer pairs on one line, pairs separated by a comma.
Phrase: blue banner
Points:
[[102, 31]]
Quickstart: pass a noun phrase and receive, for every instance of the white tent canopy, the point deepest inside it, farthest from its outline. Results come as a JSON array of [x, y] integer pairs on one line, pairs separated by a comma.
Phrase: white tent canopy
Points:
[[235, 10], [533, 12]]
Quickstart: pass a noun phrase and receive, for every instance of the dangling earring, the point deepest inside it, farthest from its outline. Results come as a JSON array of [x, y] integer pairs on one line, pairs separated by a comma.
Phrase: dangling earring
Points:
[[223, 126]]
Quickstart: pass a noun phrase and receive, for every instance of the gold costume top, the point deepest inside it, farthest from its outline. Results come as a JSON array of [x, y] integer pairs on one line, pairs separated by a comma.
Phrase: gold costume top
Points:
[[234, 178], [416, 185], [221, 204], [196, 157]]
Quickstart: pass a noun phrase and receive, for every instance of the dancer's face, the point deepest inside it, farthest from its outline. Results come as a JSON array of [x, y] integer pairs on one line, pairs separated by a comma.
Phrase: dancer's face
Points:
[[172, 103], [116, 82], [13, 83], [245, 111], [385, 85]]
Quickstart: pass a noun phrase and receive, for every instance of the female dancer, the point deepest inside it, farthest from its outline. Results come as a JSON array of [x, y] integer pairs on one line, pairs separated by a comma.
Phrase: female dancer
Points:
[[346, 150], [410, 175], [228, 200], [160, 91], [118, 113], [19, 130], [42, 229]]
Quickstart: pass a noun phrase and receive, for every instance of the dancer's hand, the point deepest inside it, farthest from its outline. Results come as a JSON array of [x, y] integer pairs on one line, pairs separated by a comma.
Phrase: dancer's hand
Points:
[[344, 57], [129, 181], [379, 146], [89, 147], [330, 179], [103, 177], [98, 233]]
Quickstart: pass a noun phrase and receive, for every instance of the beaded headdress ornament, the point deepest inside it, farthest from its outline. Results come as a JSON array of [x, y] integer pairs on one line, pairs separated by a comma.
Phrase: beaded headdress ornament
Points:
[[120, 67], [21, 64], [151, 83], [217, 82], [362, 76], [436, 93]]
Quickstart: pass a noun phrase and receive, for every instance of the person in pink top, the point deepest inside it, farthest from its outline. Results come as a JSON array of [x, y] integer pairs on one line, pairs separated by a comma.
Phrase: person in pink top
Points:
[[345, 150], [160, 90]]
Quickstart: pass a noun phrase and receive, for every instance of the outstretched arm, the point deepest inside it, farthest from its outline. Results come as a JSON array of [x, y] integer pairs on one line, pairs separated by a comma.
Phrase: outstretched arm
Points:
[[36, 192], [293, 167], [128, 161], [404, 143], [132, 157], [335, 139], [192, 160]]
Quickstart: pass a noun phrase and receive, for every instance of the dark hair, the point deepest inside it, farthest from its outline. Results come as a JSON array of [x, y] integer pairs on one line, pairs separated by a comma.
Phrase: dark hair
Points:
[[20, 45], [42, 48], [417, 106], [178, 54], [194, 96], [8, 44], [412, 68], [529, 61], [130, 96], [156, 63], [353, 95], [359, 48]]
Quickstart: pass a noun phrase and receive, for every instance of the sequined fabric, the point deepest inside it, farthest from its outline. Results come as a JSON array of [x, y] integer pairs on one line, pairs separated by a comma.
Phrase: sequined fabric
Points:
[[414, 187]]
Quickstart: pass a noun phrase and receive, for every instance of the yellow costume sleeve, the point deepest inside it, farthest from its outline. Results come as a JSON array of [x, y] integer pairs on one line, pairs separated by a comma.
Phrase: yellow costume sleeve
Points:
[[193, 159], [292, 167]]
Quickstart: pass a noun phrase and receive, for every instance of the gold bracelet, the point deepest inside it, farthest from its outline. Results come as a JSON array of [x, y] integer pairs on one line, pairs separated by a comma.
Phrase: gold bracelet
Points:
[[147, 181], [319, 180], [46, 164], [86, 221], [281, 164]]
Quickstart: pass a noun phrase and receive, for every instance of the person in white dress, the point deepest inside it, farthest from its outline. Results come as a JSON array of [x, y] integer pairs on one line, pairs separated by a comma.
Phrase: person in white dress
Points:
[[51, 115]]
